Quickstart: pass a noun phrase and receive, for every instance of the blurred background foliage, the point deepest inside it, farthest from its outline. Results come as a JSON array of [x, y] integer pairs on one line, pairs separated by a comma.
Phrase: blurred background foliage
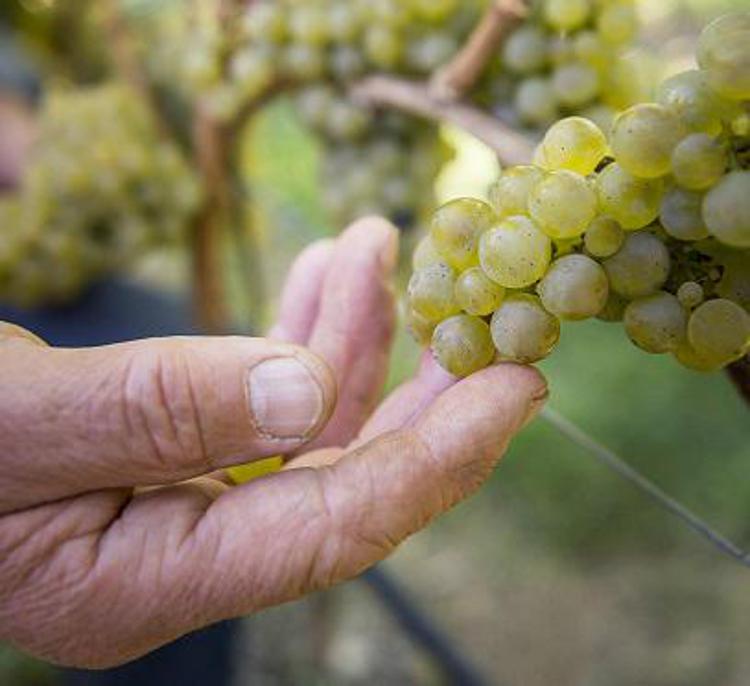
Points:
[[558, 573]]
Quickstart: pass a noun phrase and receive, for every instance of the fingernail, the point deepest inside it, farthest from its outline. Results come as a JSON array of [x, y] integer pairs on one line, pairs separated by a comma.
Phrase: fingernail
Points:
[[286, 399], [536, 404]]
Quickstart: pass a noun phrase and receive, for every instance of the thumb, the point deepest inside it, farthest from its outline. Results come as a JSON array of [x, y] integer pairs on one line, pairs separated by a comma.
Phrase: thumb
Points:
[[150, 412]]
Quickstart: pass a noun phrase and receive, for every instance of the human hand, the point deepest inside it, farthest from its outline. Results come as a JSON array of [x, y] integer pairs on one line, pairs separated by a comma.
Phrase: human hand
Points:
[[118, 531]]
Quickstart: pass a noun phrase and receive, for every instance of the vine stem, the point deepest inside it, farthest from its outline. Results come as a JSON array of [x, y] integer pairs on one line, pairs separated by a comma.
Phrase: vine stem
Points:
[[418, 99], [617, 464], [455, 79]]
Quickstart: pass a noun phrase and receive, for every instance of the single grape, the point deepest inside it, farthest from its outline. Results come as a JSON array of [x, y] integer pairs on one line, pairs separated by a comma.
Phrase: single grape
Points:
[[575, 84], [689, 358], [535, 102], [617, 23], [509, 195], [477, 294], [575, 144], [463, 345], [698, 162], [566, 15], [640, 268], [735, 282], [425, 254], [602, 115], [723, 53], [656, 323], [590, 49], [456, 228], [435, 11], [563, 204], [428, 53], [643, 138], [431, 292], [308, 25], [523, 331], [690, 294], [726, 209], [603, 237], [515, 253], [681, 215], [574, 288], [633, 202], [420, 328], [698, 106], [525, 51], [720, 330], [383, 46], [266, 21]]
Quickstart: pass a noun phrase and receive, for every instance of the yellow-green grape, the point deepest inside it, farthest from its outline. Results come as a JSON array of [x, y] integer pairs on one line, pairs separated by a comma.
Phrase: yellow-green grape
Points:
[[643, 138], [515, 253], [589, 48], [699, 161], [477, 294], [392, 13], [425, 254], [690, 294], [242, 474], [252, 71], [429, 52], [435, 11], [656, 323], [574, 288], [266, 21], [419, 327], [627, 81], [720, 330], [345, 21], [509, 195], [561, 49], [456, 228], [689, 358], [463, 345], [302, 61], [640, 268], [574, 143], [308, 24], [698, 106], [431, 292], [535, 102], [603, 237], [617, 23], [566, 15], [726, 209], [525, 50], [633, 202], [523, 331], [346, 121], [602, 115], [383, 46], [575, 84], [563, 204], [681, 215], [614, 309], [723, 53], [735, 282]]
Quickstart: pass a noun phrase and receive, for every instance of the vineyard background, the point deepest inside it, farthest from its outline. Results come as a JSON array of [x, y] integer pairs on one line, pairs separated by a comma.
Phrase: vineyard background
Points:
[[558, 572]]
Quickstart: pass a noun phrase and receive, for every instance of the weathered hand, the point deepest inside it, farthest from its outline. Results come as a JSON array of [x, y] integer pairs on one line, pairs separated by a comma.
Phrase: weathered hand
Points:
[[116, 532]]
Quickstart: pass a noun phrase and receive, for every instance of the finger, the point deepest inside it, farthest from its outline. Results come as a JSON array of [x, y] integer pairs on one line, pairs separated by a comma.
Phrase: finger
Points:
[[10, 332], [354, 328], [151, 412], [300, 300]]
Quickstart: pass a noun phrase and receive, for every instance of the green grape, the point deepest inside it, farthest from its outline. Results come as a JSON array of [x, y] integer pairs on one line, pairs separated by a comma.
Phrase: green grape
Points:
[[698, 162], [589, 48], [477, 294], [561, 49], [574, 288], [431, 292], [391, 13], [303, 62], [346, 121], [265, 21], [346, 62], [723, 53], [690, 294], [456, 228], [614, 309], [566, 15], [420, 328], [681, 215], [435, 11], [726, 209], [735, 281], [563, 204], [523, 331], [640, 268], [656, 323], [525, 50], [617, 23], [345, 21], [575, 84], [603, 237], [575, 144], [633, 202], [314, 103], [515, 253], [627, 81], [689, 96], [536, 102], [463, 345], [643, 138], [720, 330], [428, 53], [383, 46], [308, 25], [601, 115], [688, 357], [509, 195]]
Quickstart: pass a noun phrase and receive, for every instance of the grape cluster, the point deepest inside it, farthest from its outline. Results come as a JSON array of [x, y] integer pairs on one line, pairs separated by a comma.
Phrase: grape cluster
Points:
[[100, 189], [650, 228], [569, 58]]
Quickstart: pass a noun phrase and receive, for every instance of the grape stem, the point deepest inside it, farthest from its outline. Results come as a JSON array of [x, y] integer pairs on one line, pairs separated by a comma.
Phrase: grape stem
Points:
[[459, 76], [418, 99], [739, 373]]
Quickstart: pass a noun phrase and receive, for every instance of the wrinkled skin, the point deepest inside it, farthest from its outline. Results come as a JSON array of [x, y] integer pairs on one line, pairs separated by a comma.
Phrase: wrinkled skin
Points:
[[118, 529]]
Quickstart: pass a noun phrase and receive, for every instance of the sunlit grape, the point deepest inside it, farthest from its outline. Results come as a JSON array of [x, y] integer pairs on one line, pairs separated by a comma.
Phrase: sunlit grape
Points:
[[477, 294], [563, 204], [566, 14], [431, 292], [723, 52], [463, 345], [575, 287], [523, 331], [726, 209], [575, 144], [633, 202], [509, 195], [699, 161], [603, 237], [456, 228]]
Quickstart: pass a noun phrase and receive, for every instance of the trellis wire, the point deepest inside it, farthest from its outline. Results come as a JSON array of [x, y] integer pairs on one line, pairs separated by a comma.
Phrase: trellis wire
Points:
[[617, 464]]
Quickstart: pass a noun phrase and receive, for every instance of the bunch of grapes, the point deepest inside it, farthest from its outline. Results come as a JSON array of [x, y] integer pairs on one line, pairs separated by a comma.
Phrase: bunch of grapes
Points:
[[100, 189], [650, 228], [568, 58]]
